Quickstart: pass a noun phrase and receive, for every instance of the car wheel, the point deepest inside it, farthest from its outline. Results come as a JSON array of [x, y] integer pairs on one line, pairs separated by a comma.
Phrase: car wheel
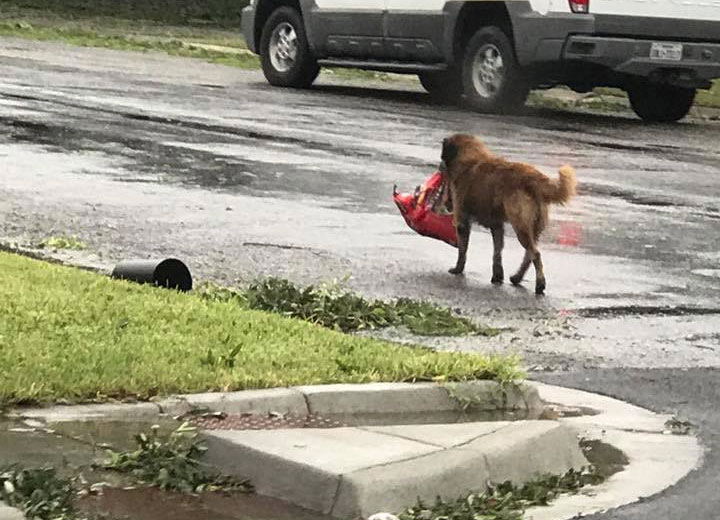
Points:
[[284, 51], [492, 78], [661, 103], [444, 87]]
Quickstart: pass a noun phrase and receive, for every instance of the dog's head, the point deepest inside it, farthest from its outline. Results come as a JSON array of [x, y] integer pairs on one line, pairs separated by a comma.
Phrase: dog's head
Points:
[[460, 148]]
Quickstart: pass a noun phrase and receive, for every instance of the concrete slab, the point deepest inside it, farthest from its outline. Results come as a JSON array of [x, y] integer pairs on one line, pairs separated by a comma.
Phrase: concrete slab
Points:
[[441, 435], [305, 466], [448, 473], [10, 513], [527, 449], [354, 472], [337, 450]]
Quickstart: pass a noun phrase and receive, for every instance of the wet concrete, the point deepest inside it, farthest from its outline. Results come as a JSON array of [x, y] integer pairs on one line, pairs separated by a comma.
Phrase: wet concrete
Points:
[[75, 447], [152, 504], [690, 394], [146, 155]]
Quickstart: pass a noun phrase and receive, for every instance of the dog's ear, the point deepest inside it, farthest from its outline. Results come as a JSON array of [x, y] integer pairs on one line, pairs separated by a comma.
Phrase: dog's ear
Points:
[[449, 152]]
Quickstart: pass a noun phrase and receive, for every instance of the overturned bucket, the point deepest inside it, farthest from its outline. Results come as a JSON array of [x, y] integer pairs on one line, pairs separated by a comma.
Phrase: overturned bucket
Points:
[[169, 273]]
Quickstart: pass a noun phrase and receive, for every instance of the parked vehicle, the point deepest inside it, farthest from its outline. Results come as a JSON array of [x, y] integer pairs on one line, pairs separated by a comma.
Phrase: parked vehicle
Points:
[[492, 52]]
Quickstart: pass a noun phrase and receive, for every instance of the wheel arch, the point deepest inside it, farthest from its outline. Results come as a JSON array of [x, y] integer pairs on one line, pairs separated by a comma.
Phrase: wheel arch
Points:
[[468, 17], [264, 8]]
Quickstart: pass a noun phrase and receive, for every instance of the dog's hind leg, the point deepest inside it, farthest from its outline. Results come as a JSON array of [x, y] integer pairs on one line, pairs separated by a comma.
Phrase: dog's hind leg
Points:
[[539, 274], [530, 254], [498, 235], [522, 212]]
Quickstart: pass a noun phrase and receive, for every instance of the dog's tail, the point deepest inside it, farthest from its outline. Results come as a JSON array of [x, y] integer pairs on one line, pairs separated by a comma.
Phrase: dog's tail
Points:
[[562, 189]]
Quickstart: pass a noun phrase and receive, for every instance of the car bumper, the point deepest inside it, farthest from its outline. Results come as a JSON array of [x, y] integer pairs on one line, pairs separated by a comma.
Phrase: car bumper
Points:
[[700, 62], [248, 27]]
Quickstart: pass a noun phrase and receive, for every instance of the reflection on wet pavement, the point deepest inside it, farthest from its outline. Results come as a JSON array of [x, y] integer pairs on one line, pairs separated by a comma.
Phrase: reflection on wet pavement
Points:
[[246, 180]]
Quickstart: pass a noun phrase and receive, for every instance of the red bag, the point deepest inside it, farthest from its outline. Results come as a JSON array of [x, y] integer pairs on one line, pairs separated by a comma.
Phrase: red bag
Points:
[[420, 210]]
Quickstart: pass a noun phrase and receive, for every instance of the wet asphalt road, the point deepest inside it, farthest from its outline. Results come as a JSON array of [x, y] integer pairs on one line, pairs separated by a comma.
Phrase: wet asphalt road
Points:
[[145, 155]]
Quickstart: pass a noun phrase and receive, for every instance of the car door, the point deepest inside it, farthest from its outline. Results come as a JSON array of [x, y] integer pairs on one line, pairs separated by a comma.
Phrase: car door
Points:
[[415, 30], [348, 28]]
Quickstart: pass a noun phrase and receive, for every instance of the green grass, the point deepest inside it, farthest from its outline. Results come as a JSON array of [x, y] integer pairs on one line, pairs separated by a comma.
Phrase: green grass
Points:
[[63, 242], [174, 45], [711, 97], [218, 13], [705, 98], [70, 335]]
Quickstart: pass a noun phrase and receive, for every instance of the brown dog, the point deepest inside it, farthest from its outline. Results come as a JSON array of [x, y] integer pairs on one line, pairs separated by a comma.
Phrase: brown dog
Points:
[[491, 191]]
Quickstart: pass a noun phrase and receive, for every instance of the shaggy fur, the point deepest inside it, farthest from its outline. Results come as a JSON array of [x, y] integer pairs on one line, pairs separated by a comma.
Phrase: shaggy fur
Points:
[[491, 191]]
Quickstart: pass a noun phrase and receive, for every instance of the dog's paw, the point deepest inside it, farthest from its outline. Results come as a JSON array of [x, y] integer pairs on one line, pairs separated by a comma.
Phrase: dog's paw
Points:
[[516, 279], [456, 270], [498, 276], [540, 288]]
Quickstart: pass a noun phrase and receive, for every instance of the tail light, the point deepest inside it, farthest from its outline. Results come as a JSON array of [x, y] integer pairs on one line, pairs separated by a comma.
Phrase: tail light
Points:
[[580, 6]]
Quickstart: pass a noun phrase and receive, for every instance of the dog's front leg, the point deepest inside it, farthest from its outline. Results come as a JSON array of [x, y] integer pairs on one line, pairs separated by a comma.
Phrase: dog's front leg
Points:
[[498, 235], [462, 228]]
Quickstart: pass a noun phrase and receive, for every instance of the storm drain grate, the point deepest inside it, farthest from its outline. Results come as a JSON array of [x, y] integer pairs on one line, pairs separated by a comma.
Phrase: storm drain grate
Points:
[[262, 422]]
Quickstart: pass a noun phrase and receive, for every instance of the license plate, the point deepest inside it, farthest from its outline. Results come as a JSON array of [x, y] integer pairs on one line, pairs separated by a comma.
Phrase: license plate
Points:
[[666, 51]]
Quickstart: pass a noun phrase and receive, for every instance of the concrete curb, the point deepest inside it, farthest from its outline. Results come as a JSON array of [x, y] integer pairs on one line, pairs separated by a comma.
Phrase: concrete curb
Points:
[[657, 460], [372, 398]]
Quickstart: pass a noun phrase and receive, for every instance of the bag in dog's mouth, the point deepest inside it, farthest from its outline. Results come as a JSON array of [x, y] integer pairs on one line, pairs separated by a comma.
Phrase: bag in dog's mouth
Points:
[[426, 210]]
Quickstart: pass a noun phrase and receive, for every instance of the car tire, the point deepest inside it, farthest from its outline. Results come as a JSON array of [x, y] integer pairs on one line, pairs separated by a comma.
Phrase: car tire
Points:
[[284, 50], [657, 103], [444, 87], [493, 81]]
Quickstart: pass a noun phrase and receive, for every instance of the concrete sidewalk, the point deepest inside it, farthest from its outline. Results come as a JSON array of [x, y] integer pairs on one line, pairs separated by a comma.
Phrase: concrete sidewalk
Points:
[[355, 472], [384, 459]]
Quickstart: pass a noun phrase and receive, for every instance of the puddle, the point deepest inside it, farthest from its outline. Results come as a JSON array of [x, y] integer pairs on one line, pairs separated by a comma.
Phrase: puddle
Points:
[[153, 504], [607, 459]]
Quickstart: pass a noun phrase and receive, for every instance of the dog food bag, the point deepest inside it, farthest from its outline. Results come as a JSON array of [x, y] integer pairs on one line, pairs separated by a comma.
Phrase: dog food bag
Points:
[[424, 212]]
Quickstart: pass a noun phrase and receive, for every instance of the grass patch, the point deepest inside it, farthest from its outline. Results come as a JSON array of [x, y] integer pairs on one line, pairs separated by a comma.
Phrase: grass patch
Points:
[[63, 242], [336, 308], [171, 462], [71, 335], [225, 13], [710, 97], [598, 103], [197, 48], [505, 501]]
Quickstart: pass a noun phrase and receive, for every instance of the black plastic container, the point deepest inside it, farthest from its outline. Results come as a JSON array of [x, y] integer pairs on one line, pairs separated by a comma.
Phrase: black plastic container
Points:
[[169, 273]]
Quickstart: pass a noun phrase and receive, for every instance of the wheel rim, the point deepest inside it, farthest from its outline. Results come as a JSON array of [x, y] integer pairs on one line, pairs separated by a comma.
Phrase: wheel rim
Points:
[[283, 47], [488, 71]]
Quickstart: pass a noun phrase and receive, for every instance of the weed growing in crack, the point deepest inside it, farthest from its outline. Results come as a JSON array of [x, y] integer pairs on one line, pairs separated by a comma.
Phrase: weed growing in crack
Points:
[[505, 501], [40, 493], [172, 462]]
